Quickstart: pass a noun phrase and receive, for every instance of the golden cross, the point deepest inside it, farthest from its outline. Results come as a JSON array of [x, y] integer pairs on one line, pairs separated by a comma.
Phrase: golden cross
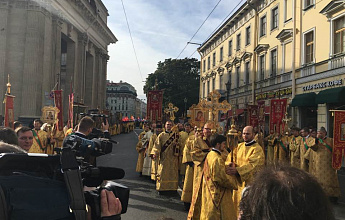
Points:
[[214, 106], [8, 85], [171, 111]]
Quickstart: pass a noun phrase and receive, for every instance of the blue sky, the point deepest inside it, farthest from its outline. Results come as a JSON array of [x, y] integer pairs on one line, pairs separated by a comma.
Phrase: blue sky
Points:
[[160, 30]]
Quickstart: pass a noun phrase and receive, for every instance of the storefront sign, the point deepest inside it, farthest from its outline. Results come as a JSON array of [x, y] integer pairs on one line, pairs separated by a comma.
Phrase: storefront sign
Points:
[[323, 85], [274, 94]]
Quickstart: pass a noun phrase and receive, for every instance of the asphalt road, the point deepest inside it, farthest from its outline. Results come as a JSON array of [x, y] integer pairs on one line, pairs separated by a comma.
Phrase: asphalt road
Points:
[[144, 202]]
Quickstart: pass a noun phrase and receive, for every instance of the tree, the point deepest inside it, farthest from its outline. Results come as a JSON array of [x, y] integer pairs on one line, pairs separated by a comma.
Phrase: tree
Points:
[[180, 79]]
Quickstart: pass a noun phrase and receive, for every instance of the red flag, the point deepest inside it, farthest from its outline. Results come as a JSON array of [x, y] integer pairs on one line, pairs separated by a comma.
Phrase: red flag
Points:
[[278, 109], [339, 139], [9, 111], [253, 115], [70, 110], [58, 104], [154, 105]]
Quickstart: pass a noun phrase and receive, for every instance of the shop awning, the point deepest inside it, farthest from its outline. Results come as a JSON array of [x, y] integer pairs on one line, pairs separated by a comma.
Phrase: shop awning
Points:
[[306, 99], [335, 95]]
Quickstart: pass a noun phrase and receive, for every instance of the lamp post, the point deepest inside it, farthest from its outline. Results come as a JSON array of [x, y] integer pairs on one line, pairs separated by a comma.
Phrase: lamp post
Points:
[[228, 87], [185, 107]]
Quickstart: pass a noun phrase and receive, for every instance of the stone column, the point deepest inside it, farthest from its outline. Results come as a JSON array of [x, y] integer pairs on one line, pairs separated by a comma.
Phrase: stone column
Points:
[[3, 43], [79, 78], [95, 78]]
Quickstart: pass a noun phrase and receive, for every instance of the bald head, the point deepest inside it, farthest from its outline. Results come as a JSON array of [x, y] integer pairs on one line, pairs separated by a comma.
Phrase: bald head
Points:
[[248, 134]]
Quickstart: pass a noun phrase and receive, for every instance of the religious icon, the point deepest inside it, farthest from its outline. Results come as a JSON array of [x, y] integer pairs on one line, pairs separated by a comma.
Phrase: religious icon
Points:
[[199, 116], [49, 114]]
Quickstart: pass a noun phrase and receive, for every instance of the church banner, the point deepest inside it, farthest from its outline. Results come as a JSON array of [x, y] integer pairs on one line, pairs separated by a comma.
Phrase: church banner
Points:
[[9, 112], [261, 112], [277, 112], [253, 115], [154, 105], [339, 139], [58, 104]]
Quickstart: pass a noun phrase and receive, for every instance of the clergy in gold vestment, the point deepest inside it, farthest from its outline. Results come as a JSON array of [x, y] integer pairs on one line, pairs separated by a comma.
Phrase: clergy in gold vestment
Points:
[[200, 148], [166, 147], [187, 191], [271, 142], [294, 148], [216, 202], [248, 159], [306, 142], [141, 149], [147, 159], [40, 142], [154, 165], [182, 142], [320, 164], [281, 149]]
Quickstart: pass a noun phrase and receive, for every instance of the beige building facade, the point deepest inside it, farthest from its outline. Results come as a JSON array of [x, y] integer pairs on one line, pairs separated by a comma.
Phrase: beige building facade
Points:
[[53, 44], [280, 49]]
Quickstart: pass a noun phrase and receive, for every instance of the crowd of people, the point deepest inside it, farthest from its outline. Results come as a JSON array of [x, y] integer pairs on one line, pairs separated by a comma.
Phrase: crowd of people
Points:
[[286, 175], [39, 140]]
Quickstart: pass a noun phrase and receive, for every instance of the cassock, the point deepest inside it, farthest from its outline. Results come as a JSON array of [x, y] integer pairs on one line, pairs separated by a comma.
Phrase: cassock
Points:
[[147, 159], [187, 191], [306, 143], [182, 142], [281, 149], [270, 149], [154, 162], [216, 202], [295, 144], [320, 166], [140, 150], [166, 146], [40, 142], [249, 159], [200, 149]]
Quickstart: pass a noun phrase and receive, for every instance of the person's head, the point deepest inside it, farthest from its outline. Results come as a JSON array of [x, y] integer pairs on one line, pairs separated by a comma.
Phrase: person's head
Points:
[[25, 138], [180, 127], [153, 125], [313, 133], [295, 131], [248, 134], [218, 141], [187, 127], [284, 193], [168, 125], [159, 128], [10, 148], [86, 125], [8, 135], [255, 130], [146, 127], [37, 124], [16, 124], [321, 133], [207, 131], [305, 132]]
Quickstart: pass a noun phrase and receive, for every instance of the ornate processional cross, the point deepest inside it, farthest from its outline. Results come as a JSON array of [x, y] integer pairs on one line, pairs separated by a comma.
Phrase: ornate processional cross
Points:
[[171, 111], [214, 106]]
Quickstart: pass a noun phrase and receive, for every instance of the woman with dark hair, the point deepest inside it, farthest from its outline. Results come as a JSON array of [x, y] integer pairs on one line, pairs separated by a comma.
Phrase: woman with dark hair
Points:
[[285, 193]]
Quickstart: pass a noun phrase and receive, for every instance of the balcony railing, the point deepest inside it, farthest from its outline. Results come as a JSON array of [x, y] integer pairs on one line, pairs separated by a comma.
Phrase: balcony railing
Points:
[[308, 69], [336, 61]]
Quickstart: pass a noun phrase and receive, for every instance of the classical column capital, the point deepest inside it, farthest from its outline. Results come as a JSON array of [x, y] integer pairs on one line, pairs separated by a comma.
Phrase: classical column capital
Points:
[[82, 37]]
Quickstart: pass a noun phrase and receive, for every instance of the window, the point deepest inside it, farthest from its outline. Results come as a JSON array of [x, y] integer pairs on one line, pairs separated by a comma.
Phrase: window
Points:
[[221, 54], [262, 67], [213, 84], [208, 63], [220, 81], [339, 35], [230, 79], [230, 47], [238, 47], [273, 62], [203, 90], [214, 59], [308, 4], [309, 47], [208, 87], [248, 35], [204, 65], [246, 81], [274, 18], [263, 23], [238, 76]]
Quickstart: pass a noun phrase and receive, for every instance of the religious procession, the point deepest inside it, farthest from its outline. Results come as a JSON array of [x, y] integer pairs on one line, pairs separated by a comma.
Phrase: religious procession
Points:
[[217, 165]]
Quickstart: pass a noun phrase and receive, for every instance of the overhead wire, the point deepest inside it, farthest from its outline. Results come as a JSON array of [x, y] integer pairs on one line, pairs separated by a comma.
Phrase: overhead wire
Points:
[[130, 34], [199, 28]]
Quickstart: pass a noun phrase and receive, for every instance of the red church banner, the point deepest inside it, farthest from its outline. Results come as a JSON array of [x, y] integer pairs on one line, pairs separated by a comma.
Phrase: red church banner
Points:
[[277, 111], [339, 139], [9, 112], [58, 104], [253, 115], [154, 105], [261, 112]]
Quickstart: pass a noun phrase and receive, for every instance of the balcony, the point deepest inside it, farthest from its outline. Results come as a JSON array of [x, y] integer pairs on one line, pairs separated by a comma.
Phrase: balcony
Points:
[[308, 69], [336, 61]]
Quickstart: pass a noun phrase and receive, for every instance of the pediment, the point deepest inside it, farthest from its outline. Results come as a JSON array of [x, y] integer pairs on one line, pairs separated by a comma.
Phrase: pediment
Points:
[[261, 48], [285, 34], [332, 7]]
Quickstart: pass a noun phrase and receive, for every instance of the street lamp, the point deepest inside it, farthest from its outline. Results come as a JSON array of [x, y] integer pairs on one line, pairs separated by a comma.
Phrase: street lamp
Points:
[[228, 87], [185, 107]]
